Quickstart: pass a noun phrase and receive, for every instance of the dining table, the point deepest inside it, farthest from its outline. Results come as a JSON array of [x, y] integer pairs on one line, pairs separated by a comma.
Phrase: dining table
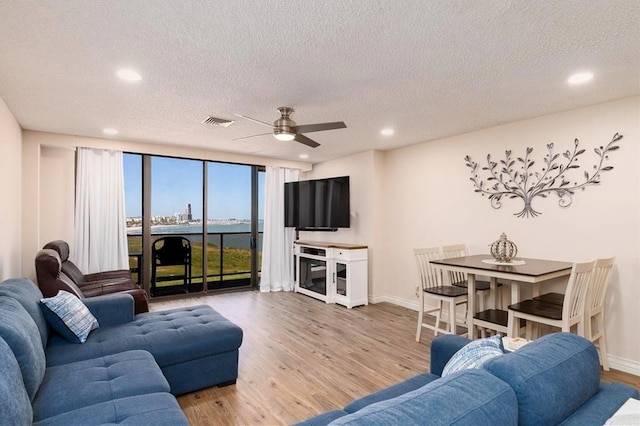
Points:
[[518, 272]]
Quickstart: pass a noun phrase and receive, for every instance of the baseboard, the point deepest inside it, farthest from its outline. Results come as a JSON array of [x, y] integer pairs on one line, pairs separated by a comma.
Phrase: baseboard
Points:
[[616, 363], [625, 365], [414, 306]]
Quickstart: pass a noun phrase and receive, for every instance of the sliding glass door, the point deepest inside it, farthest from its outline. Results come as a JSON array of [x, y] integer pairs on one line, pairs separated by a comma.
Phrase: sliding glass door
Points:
[[176, 226], [229, 224], [194, 226]]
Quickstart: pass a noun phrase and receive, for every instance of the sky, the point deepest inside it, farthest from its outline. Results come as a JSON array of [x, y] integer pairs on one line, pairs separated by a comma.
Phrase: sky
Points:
[[176, 182]]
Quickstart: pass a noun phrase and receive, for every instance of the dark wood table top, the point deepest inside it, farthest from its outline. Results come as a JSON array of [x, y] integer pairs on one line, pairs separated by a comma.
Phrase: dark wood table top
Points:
[[532, 267], [534, 271]]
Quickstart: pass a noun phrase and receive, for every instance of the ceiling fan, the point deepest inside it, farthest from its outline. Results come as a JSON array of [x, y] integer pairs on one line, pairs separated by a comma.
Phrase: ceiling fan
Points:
[[285, 129]]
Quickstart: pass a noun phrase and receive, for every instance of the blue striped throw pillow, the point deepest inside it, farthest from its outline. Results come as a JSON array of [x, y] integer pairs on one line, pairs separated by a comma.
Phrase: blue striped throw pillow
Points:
[[474, 354], [67, 315]]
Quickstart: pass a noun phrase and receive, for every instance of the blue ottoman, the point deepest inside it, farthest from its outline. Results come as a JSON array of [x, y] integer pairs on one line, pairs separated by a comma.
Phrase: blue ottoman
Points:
[[195, 347]]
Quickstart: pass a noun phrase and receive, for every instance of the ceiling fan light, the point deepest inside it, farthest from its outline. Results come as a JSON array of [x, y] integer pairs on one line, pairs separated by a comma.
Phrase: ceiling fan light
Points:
[[284, 136]]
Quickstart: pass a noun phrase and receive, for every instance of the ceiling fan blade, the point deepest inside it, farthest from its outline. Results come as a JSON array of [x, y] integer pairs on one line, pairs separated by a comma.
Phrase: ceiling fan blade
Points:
[[305, 140], [308, 128], [252, 136], [254, 120]]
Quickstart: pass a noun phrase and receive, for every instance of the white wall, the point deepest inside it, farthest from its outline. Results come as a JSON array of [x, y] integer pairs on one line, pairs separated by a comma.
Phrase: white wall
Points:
[[57, 171], [11, 199], [431, 201], [359, 168], [363, 173], [48, 181]]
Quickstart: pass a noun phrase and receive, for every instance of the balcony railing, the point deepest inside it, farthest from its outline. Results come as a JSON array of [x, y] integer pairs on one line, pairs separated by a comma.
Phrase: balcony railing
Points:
[[228, 257]]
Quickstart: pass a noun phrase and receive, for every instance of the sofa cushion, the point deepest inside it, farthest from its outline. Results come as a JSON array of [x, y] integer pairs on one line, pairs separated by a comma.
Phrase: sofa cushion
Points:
[[199, 373], [15, 406], [470, 397], [598, 409], [149, 409], [552, 376], [474, 354], [173, 337], [69, 316], [21, 334], [398, 389], [323, 419], [29, 295], [442, 349], [84, 383], [111, 309]]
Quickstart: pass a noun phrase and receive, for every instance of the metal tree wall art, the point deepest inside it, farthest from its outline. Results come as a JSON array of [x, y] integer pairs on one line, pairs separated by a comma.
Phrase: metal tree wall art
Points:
[[516, 178]]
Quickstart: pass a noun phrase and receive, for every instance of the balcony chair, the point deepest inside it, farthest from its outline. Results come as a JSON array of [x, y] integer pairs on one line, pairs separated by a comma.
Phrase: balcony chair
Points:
[[52, 279], [433, 288], [565, 316], [170, 251]]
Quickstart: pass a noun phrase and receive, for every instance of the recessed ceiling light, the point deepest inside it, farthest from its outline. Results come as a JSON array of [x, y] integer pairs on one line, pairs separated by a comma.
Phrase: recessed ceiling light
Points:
[[109, 131], [303, 156], [387, 132], [129, 75], [580, 78]]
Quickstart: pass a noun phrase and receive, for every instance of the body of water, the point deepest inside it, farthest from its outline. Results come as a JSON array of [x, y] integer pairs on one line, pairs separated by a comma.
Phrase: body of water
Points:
[[194, 233]]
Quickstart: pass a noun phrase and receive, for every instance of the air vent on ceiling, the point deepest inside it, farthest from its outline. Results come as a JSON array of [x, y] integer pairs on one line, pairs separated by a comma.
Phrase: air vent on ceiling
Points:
[[219, 122]]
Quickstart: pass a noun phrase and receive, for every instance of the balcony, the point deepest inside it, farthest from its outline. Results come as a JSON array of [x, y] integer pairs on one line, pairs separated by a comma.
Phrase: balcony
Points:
[[228, 261]]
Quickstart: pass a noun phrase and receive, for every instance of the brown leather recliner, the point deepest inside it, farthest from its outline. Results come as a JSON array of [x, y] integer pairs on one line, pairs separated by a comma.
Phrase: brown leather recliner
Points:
[[72, 271], [52, 279]]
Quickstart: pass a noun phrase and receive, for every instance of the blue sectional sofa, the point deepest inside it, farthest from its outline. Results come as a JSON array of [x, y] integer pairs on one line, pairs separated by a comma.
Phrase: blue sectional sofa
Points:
[[553, 380], [127, 371]]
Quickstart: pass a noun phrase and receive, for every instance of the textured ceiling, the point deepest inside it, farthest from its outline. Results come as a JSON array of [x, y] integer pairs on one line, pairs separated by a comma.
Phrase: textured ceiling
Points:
[[429, 69]]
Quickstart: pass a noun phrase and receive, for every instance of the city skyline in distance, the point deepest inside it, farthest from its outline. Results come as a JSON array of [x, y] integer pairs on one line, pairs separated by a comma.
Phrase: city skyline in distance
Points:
[[177, 183]]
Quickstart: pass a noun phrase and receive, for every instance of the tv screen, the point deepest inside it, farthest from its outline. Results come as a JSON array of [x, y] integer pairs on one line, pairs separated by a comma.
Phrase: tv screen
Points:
[[321, 204], [291, 204]]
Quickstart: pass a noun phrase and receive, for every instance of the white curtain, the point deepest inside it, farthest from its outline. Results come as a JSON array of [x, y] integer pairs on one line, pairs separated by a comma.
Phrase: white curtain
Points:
[[100, 242], [277, 245]]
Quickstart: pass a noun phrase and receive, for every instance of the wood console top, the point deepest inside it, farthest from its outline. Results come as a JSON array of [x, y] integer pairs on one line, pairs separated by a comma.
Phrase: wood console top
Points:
[[330, 245]]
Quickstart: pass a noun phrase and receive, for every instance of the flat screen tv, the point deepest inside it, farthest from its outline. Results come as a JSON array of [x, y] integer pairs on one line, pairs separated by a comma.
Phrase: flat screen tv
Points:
[[317, 205]]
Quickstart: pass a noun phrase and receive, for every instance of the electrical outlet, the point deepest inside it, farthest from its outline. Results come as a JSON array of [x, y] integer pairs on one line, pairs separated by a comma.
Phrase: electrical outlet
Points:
[[417, 291]]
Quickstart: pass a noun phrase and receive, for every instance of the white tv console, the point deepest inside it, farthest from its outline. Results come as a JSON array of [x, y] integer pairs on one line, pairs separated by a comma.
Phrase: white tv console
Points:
[[334, 273]]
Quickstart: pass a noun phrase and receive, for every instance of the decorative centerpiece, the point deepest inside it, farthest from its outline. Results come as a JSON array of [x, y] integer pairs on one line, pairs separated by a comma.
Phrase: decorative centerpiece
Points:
[[504, 250]]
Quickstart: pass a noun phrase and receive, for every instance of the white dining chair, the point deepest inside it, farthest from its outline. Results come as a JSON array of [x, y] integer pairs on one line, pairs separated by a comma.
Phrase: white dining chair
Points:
[[569, 314], [594, 327], [594, 308], [432, 288], [485, 320], [459, 279], [491, 320]]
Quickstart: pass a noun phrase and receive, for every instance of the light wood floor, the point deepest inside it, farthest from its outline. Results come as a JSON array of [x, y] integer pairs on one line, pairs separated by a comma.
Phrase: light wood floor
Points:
[[301, 357]]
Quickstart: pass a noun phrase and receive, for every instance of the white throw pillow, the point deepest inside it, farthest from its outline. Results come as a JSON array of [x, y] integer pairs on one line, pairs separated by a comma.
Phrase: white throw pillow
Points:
[[67, 315], [474, 354]]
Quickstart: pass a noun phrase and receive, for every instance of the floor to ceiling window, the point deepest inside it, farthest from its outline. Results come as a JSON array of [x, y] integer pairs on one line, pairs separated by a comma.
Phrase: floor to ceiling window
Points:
[[193, 225], [176, 226]]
